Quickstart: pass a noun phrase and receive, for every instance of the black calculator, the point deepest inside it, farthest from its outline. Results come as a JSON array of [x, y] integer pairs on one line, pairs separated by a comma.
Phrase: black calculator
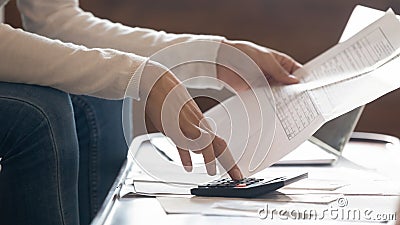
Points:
[[244, 188]]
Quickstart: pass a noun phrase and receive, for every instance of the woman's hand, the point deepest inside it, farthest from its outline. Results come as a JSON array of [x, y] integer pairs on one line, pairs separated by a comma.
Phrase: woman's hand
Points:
[[275, 65], [173, 112]]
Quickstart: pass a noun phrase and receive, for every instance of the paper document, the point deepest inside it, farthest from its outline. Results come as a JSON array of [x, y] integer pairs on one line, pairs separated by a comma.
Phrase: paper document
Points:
[[350, 74], [312, 184], [145, 188], [200, 204]]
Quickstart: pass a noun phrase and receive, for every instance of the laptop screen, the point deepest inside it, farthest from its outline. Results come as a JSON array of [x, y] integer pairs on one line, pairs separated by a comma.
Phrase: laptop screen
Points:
[[335, 134]]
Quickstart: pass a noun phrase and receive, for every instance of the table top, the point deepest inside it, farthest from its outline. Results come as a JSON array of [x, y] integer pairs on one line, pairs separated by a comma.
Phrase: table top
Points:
[[147, 210]]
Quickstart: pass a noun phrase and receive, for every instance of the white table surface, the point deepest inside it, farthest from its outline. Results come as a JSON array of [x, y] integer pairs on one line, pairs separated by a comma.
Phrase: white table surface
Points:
[[147, 210]]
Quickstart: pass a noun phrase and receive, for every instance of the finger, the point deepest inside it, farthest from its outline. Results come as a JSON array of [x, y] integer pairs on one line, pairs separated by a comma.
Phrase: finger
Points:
[[295, 66], [288, 63], [209, 160], [225, 158], [274, 69], [235, 173], [185, 159], [189, 116], [195, 127]]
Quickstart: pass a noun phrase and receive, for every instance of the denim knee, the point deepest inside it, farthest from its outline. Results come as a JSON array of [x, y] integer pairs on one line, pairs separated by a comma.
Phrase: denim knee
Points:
[[39, 152], [23, 104]]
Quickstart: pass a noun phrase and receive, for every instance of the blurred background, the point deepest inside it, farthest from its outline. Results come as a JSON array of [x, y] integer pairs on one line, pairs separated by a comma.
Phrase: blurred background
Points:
[[300, 28]]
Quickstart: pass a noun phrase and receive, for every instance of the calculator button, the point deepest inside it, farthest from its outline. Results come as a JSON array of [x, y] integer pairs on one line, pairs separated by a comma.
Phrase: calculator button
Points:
[[240, 185]]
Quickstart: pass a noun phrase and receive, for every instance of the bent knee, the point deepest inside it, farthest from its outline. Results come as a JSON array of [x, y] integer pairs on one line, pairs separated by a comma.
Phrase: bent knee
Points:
[[31, 112]]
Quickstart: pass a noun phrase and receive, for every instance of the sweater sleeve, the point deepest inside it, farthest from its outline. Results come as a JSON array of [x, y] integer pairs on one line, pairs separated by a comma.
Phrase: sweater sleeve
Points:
[[66, 21], [33, 59]]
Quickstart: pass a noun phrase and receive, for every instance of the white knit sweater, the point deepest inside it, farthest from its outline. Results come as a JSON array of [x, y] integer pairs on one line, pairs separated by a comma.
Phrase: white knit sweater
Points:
[[66, 48]]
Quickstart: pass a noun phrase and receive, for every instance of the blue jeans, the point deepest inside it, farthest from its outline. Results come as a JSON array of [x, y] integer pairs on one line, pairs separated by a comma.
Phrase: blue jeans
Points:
[[60, 154]]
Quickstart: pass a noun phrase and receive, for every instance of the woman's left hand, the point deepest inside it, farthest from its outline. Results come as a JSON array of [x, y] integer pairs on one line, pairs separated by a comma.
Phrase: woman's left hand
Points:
[[275, 65]]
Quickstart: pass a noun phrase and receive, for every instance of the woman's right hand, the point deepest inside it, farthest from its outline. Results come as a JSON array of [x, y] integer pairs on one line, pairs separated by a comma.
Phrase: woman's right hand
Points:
[[173, 112]]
